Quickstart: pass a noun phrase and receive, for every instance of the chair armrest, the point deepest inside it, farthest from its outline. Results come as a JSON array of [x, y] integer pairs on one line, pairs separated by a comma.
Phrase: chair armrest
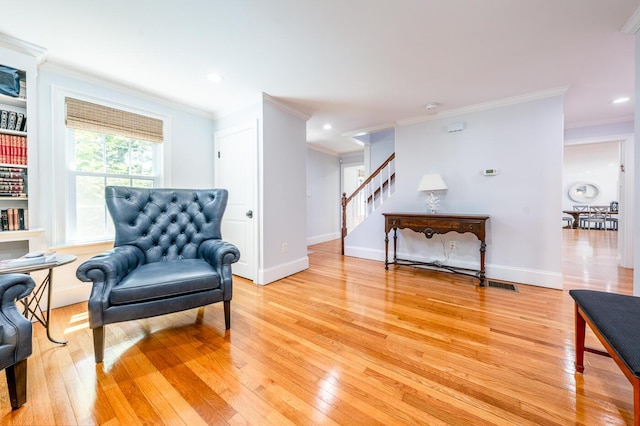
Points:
[[16, 328], [14, 287], [106, 270], [220, 254]]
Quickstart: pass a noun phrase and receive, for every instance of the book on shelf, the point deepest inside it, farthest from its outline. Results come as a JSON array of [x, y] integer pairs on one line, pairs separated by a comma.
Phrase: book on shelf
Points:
[[33, 258], [19, 174], [14, 219], [13, 120], [13, 149]]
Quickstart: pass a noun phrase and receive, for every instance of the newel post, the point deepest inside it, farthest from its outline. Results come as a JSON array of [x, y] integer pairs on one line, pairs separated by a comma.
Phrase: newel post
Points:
[[344, 221]]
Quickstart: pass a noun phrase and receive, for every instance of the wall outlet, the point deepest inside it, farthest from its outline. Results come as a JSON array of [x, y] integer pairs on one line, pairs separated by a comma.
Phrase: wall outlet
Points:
[[284, 247], [452, 244]]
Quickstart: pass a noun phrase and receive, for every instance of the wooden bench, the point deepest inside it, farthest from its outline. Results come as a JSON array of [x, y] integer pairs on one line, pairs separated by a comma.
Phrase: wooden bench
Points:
[[615, 320]]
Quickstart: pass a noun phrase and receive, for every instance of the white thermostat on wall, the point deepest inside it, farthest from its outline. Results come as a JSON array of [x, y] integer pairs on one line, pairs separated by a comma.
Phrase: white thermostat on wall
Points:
[[490, 172]]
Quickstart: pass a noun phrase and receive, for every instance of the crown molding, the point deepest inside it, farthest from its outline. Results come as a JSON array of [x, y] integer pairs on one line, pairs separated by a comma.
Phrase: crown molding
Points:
[[319, 148], [368, 130], [485, 106], [22, 46], [122, 88], [581, 124], [285, 107], [633, 24], [599, 139]]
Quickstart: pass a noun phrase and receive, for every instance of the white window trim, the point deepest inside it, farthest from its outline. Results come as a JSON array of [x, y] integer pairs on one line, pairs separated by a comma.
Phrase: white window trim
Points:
[[57, 215]]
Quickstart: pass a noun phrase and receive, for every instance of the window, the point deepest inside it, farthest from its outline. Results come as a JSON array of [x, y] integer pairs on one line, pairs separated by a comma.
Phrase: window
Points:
[[99, 160], [103, 145]]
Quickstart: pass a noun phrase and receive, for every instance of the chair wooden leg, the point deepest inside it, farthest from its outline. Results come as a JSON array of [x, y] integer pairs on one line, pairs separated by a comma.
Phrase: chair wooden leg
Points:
[[580, 333], [227, 314], [98, 343], [17, 383]]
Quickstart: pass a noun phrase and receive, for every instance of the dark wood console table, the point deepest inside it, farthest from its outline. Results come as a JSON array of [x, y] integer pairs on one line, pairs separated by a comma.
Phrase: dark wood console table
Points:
[[430, 224]]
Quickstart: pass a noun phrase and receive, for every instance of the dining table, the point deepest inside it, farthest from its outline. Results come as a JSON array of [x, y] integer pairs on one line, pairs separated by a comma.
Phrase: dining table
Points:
[[575, 214]]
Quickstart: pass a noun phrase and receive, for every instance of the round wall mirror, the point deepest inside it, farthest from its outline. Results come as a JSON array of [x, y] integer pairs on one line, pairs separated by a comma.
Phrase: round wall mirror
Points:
[[584, 192]]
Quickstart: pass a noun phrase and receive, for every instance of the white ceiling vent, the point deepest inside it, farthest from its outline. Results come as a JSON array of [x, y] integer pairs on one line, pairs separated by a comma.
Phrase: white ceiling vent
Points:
[[455, 127]]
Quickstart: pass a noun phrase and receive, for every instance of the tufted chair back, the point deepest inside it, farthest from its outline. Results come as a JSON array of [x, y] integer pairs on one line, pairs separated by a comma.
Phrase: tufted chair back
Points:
[[165, 224]]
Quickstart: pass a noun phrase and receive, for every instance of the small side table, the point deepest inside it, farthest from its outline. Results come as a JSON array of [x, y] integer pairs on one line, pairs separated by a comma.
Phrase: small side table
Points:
[[32, 307]]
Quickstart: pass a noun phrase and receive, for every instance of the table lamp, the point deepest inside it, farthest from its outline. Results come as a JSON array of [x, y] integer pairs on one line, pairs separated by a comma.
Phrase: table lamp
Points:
[[432, 182]]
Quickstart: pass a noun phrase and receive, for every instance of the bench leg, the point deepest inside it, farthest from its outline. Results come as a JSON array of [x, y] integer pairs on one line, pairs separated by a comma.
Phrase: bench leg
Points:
[[636, 402], [580, 332]]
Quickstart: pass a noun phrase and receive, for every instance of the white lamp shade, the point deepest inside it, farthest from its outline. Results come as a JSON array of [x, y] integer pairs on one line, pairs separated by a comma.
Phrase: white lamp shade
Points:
[[432, 182]]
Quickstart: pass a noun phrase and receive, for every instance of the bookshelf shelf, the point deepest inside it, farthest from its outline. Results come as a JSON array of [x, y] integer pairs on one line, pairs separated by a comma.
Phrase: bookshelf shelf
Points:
[[13, 132], [8, 236], [10, 100]]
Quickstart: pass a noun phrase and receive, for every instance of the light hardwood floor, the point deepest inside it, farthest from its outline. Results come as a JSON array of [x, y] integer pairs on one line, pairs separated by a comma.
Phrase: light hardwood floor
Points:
[[342, 343]]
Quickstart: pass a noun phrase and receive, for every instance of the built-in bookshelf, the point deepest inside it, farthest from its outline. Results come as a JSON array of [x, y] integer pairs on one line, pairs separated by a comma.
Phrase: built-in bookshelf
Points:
[[14, 211], [18, 213]]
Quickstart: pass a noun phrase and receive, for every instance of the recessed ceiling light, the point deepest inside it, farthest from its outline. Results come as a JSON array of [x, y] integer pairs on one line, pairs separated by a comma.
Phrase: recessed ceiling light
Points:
[[621, 100], [327, 126], [216, 78], [431, 106]]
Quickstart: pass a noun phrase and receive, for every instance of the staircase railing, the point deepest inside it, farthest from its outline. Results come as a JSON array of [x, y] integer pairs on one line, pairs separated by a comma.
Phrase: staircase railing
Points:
[[368, 196]]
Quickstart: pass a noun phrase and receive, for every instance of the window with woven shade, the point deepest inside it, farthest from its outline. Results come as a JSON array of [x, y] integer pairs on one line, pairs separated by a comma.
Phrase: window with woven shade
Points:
[[83, 115], [107, 146]]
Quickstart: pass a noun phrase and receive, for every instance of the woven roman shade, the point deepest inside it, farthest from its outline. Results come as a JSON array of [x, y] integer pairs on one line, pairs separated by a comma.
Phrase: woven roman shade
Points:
[[82, 115]]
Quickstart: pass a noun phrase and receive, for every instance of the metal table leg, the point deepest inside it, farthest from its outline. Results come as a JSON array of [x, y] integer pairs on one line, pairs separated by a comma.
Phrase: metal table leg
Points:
[[33, 309]]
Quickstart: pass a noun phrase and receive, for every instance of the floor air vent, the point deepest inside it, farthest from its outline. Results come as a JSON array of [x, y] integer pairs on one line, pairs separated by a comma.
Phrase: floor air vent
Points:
[[501, 285]]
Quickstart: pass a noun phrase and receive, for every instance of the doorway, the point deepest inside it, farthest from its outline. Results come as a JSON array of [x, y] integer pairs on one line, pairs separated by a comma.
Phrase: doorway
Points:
[[235, 163], [605, 163], [353, 175]]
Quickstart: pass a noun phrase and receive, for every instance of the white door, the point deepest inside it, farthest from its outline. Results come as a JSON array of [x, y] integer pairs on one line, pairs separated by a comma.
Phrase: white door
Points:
[[235, 170]]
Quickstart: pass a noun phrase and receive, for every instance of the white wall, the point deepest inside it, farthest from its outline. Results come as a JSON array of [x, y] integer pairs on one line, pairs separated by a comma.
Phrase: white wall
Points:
[[323, 197], [636, 179], [383, 144], [284, 188], [524, 141]]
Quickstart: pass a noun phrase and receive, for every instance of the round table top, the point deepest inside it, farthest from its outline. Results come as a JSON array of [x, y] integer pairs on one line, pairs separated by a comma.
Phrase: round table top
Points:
[[61, 259]]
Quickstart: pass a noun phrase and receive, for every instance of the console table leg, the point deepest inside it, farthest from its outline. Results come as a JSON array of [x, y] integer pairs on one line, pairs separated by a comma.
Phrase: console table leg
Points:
[[386, 251], [483, 249], [395, 245]]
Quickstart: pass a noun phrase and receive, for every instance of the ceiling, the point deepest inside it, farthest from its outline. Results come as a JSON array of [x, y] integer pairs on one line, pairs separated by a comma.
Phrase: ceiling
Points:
[[355, 64]]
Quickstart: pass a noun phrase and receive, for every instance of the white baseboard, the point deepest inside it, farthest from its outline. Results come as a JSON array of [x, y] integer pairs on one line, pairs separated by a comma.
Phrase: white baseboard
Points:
[[548, 279], [364, 253], [323, 238], [69, 296], [535, 277], [266, 276]]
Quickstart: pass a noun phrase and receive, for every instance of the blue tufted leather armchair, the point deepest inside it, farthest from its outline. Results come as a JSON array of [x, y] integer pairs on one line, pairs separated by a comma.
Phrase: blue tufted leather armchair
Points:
[[15, 335], [168, 256]]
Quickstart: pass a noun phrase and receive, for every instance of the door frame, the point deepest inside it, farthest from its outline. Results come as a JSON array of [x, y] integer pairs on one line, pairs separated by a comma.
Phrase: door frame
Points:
[[255, 222], [626, 189]]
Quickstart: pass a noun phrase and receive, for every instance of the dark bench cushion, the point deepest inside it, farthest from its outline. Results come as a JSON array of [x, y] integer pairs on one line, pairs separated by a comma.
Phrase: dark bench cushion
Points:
[[163, 280], [617, 317]]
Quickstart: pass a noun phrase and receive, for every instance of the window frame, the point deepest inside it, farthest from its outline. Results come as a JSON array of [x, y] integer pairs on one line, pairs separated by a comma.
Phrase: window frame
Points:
[[72, 174], [62, 190]]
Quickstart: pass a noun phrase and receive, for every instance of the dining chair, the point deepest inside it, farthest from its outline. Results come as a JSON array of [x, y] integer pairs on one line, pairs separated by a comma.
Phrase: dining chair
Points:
[[611, 220], [598, 217], [582, 217]]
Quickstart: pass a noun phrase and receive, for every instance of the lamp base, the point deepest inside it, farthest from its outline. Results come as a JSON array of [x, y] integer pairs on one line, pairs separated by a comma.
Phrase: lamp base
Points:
[[433, 202]]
